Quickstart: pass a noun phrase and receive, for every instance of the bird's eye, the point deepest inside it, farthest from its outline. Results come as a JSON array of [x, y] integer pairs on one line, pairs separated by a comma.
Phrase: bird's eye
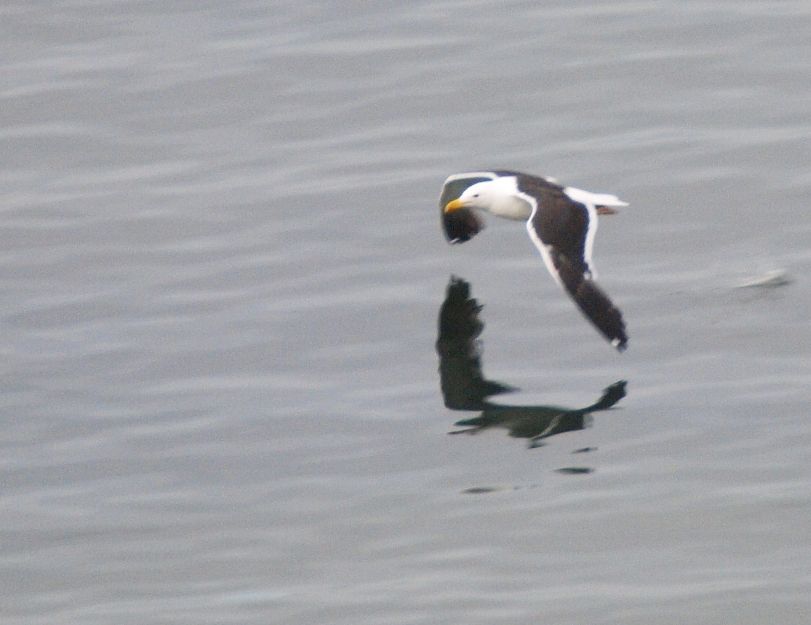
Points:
[[475, 195]]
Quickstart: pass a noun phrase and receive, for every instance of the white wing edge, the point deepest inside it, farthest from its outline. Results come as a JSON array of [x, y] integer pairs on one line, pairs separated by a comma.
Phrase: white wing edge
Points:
[[468, 174], [471, 174], [591, 232], [543, 248], [591, 201]]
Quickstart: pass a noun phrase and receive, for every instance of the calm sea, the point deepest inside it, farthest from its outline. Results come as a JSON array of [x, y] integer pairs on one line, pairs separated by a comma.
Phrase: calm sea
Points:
[[222, 276]]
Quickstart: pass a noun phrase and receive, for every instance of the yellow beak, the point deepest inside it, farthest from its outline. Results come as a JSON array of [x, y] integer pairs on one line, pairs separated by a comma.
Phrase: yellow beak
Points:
[[454, 205]]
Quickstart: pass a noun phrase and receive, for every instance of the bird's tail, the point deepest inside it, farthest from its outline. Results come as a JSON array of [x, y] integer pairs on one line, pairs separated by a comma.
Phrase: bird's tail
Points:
[[595, 199]]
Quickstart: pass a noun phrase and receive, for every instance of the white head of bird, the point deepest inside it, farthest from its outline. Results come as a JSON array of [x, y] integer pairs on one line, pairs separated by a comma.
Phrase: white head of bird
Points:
[[499, 197]]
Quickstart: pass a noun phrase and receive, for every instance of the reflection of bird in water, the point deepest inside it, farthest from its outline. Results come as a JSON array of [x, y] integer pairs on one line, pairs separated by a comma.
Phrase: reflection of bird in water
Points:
[[539, 422], [464, 386], [561, 222]]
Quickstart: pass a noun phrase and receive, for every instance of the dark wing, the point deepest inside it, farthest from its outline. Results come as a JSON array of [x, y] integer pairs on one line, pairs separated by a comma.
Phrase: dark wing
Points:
[[463, 224], [464, 386], [611, 395], [562, 230]]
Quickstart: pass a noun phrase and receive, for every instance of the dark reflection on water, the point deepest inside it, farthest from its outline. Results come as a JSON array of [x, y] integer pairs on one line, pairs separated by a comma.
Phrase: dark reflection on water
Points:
[[464, 386]]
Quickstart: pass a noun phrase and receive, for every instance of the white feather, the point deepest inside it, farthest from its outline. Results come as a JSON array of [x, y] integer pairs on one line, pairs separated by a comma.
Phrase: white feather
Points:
[[597, 199], [591, 231]]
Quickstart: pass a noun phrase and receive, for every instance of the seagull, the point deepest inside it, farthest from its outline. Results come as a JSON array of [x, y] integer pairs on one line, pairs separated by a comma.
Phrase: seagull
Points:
[[561, 222]]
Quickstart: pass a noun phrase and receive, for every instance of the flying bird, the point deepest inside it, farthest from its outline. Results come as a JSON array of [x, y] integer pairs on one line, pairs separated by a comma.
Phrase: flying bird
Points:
[[561, 221]]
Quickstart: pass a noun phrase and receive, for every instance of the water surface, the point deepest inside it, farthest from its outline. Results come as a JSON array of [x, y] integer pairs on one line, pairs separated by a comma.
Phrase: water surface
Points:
[[222, 277]]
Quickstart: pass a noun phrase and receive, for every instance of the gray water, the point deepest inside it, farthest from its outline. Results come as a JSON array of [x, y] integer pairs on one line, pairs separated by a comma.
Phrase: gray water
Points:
[[222, 270]]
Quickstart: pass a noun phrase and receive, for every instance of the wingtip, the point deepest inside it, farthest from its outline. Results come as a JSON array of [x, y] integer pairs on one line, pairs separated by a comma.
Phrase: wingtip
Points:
[[620, 344]]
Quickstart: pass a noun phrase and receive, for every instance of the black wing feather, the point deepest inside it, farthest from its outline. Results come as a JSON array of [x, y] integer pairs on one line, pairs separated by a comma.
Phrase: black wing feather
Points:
[[562, 225], [592, 301]]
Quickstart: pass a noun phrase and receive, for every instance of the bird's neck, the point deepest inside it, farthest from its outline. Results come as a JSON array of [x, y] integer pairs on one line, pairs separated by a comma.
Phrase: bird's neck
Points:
[[510, 207]]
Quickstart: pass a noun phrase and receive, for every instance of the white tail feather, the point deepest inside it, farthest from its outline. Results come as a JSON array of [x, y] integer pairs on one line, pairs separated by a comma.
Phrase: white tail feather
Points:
[[595, 199]]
